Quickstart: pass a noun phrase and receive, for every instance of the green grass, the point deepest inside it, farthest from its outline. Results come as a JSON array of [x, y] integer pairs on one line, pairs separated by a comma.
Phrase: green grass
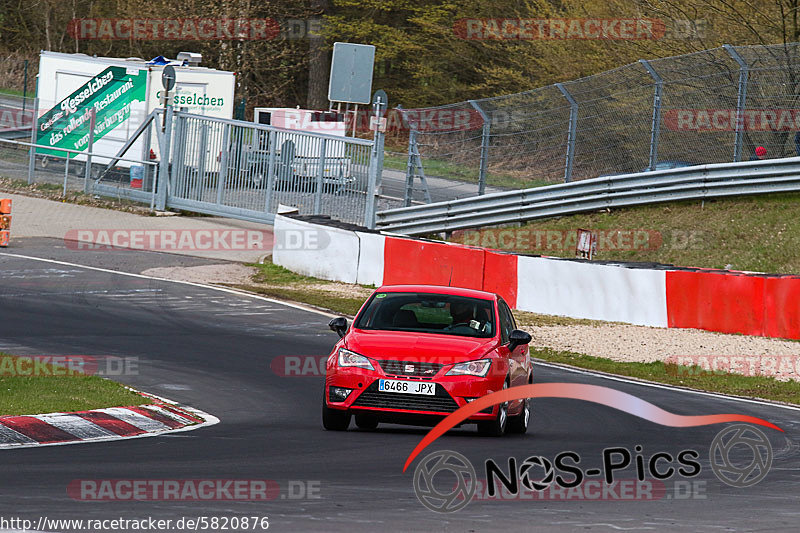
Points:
[[28, 390], [671, 374], [287, 285], [759, 233], [453, 171], [14, 92]]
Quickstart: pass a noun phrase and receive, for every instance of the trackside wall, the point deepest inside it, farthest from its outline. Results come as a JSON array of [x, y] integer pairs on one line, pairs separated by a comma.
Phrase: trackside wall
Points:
[[729, 302]]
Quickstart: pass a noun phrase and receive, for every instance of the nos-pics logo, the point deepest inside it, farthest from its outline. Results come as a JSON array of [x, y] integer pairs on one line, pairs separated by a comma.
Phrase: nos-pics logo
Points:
[[457, 479]]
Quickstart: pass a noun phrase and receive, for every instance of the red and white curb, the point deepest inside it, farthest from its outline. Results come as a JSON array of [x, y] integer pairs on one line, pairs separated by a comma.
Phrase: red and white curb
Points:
[[97, 425]]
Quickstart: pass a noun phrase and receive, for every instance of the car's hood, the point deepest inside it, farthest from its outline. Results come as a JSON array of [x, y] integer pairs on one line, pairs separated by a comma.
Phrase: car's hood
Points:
[[407, 346]]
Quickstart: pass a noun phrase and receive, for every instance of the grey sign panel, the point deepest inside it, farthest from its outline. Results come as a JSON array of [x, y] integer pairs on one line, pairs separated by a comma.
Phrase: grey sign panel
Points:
[[351, 73]]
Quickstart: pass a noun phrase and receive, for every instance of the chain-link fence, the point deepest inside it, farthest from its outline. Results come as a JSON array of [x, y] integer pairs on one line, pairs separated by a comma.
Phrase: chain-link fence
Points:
[[719, 105], [17, 88]]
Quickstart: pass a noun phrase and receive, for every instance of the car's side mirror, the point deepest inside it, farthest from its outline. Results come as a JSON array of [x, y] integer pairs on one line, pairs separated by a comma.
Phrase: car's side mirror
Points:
[[518, 338], [339, 325]]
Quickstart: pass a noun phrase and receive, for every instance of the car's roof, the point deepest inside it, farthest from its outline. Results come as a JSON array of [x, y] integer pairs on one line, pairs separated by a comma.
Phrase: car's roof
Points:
[[439, 289]]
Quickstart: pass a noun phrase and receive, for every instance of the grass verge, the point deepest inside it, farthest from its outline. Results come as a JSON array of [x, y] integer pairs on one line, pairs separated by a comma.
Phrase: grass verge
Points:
[[756, 233], [276, 281], [28, 387], [453, 171], [692, 377]]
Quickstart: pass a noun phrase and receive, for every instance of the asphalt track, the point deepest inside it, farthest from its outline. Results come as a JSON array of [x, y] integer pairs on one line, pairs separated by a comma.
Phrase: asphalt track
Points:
[[213, 350]]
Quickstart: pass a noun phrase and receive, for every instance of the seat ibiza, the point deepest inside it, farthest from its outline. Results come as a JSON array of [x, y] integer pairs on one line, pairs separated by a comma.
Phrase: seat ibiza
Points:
[[416, 353]]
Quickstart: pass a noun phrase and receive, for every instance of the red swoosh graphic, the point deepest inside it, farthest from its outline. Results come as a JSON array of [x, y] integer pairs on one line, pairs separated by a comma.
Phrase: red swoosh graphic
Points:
[[576, 391]]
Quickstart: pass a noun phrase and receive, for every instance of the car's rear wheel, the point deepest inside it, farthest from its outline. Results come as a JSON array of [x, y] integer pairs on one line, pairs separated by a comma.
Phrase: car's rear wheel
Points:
[[334, 419], [364, 421], [519, 423], [496, 427]]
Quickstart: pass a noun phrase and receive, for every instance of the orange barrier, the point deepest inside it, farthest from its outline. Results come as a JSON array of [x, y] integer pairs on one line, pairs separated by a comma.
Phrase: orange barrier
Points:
[[5, 222]]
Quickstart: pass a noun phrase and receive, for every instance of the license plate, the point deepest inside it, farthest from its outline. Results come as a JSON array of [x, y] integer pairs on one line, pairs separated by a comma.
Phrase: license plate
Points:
[[406, 387]]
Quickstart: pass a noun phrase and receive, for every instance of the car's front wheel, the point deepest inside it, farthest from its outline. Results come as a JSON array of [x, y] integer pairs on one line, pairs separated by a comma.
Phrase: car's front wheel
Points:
[[364, 421], [519, 423], [334, 419], [496, 427]]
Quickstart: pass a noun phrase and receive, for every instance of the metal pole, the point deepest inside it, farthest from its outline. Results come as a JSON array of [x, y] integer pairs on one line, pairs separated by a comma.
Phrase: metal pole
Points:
[[320, 178], [740, 101], [573, 127], [25, 88], [223, 163], [374, 162], [163, 168], [32, 151], [410, 168], [273, 139], [655, 126], [199, 184], [484, 164], [87, 174]]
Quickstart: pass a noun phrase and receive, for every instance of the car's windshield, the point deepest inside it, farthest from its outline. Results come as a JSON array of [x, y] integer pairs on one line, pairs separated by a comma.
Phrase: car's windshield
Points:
[[428, 313]]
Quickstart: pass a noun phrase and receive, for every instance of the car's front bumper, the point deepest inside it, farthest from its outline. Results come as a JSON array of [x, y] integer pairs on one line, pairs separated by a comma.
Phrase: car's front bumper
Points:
[[452, 392]]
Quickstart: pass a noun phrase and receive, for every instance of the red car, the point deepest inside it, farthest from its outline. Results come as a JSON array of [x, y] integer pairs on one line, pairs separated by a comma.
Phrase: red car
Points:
[[416, 353]]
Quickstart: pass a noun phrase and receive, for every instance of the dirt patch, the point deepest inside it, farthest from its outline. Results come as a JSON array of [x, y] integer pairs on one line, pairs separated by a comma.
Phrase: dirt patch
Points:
[[226, 273], [626, 343]]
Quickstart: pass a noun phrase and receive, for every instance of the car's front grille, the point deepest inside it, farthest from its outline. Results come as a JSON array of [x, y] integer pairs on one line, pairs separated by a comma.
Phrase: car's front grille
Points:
[[442, 402], [410, 368]]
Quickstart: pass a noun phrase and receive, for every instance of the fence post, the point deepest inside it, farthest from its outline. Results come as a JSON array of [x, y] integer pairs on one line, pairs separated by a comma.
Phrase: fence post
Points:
[[32, 151], [573, 127], [320, 178], [273, 139], [740, 101], [163, 168], [484, 165], [87, 173], [410, 167], [375, 165], [655, 127], [222, 176]]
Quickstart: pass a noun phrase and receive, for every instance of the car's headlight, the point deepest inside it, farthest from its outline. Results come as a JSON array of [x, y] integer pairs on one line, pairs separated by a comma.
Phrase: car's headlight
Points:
[[471, 368], [348, 358]]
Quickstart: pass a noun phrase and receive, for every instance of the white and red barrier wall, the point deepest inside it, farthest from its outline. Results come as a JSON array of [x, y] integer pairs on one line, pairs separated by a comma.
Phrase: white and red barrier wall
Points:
[[714, 300]]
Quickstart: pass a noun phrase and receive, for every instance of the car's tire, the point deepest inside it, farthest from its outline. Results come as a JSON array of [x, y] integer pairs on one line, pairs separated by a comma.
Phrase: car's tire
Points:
[[364, 421], [496, 427], [519, 423], [334, 419]]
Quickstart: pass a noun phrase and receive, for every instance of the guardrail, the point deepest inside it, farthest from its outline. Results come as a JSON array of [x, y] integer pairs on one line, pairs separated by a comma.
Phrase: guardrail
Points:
[[689, 183]]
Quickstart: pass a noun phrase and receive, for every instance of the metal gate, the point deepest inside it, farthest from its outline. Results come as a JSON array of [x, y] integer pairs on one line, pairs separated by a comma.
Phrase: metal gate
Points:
[[245, 170]]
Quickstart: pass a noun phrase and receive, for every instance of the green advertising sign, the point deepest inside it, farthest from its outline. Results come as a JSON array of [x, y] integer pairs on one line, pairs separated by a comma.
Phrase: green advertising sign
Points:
[[110, 93]]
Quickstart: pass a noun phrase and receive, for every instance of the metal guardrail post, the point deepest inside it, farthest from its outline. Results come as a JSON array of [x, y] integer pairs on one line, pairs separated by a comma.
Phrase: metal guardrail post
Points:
[[573, 129], [486, 131], [222, 175], [164, 166], [741, 101], [655, 126], [32, 149], [410, 167], [375, 167], [273, 139], [87, 173], [320, 178]]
